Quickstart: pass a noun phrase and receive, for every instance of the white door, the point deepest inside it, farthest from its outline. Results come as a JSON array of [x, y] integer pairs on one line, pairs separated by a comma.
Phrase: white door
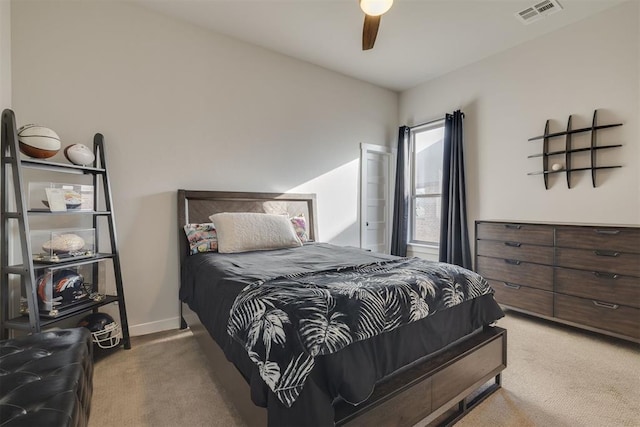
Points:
[[375, 197]]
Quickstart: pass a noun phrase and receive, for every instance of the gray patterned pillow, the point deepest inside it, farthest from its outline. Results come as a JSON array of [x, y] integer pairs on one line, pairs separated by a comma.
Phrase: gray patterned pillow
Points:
[[248, 231]]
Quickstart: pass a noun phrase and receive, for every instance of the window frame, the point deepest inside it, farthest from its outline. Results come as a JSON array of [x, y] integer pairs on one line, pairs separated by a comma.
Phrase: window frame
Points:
[[413, 196]]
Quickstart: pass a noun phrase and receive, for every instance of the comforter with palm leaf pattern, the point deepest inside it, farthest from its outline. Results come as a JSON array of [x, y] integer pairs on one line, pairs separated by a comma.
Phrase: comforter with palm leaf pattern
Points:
[[285, 323]]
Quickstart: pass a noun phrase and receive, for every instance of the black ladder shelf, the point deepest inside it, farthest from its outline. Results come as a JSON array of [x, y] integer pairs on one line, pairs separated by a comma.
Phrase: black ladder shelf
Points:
[[12, 175], [569, 150]]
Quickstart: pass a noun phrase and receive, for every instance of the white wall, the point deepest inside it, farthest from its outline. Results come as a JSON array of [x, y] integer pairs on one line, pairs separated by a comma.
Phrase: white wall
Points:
[[5, 54], [592, 64], [181, 107], [5, 102]]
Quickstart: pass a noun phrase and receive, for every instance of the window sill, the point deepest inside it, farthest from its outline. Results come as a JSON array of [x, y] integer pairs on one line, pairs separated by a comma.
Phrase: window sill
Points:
[[423, 251], [423, 246]]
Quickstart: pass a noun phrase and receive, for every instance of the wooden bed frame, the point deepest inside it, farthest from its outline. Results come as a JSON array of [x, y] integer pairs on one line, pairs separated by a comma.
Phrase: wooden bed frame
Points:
[[440, 388]]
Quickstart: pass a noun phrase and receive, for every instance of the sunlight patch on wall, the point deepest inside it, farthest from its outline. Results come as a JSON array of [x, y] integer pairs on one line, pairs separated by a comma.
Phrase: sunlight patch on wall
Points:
[[337, 198]]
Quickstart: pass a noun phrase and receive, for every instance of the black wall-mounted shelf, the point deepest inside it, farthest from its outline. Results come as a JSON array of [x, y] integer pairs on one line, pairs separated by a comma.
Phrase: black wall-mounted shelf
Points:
[[569, 150]]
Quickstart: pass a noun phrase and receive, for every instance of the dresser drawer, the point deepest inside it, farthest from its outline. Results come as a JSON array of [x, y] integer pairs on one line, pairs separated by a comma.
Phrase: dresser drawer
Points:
[[599, 286], [599, 314], [514, 232], [516, 250], [516, 272], [599, 260], [604, 238], [530, 299]]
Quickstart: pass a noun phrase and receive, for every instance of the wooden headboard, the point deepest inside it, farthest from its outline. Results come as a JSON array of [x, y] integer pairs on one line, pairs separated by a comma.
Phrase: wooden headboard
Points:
[[196, 206]]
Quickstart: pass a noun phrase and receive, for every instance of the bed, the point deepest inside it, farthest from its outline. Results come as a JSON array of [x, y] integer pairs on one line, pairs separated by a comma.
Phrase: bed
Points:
[[424, 368]]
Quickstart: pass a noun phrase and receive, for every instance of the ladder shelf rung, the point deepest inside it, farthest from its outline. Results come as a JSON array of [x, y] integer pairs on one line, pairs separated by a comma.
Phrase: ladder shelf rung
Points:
[[22, 322], [16, 269], [63, 264], [69, 212], [60, 167]]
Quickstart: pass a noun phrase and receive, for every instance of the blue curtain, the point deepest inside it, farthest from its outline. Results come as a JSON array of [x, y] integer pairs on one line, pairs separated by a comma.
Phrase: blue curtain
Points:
[[454, 233], [401, 200]]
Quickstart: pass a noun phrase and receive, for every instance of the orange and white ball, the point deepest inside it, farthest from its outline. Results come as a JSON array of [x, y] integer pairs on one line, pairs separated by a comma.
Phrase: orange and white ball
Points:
[[38, 141]]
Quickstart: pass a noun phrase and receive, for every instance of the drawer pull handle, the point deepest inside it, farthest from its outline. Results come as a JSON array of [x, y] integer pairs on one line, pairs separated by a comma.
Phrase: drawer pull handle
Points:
[[605, 305], [513, 226], [512, 261], [605, 275], [607, 231], [606, 253], [511, 286], [513, 244]]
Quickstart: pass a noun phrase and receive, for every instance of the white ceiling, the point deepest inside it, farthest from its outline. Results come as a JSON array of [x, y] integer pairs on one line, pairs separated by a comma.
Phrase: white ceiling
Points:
[[418, 40]]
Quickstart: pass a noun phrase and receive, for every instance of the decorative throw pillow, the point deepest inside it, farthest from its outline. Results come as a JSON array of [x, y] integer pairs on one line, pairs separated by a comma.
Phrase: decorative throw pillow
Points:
[[247, 231], [201, 237], [300, 226]]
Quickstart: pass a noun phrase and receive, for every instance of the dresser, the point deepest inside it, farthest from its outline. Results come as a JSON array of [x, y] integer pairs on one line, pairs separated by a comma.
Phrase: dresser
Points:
[[583, 275]]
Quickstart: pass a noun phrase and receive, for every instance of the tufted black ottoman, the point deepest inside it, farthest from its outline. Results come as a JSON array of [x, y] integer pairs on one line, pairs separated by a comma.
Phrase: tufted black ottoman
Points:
[[46, 379]]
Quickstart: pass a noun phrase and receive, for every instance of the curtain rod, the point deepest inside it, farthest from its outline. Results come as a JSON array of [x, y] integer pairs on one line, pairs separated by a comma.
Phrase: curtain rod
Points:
[[429, 122], [426, 123]]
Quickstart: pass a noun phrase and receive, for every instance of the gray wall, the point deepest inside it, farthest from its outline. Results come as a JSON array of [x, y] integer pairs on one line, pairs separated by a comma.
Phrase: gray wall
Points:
[[507, 98], [182, 107], [5, 54]]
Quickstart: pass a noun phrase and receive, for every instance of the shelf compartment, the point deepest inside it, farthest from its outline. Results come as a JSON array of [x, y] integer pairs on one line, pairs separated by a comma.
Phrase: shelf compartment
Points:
[[22, 322], [61, 289], [568, 168], [65, 197], [62, 245]]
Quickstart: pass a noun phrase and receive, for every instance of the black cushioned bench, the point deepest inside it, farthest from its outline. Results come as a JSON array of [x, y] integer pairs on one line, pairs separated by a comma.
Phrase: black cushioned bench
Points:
[[46, 379]]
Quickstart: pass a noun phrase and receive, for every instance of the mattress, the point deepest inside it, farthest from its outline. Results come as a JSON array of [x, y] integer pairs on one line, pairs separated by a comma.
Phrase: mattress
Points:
[[212, 283]]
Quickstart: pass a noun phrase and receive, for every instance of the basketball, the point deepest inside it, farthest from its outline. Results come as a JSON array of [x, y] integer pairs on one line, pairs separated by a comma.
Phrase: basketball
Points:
[[79, 154], [38, 141]]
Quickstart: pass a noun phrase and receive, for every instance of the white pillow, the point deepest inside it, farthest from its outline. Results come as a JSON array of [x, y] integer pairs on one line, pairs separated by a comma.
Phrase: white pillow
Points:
[[246, 231]]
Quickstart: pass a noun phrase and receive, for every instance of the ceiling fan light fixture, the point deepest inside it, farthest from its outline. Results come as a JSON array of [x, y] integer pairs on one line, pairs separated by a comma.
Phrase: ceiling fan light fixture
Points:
[[375, 7]]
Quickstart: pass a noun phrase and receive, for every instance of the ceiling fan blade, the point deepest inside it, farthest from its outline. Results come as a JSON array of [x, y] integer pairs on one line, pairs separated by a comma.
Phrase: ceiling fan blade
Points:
[[370, 31]]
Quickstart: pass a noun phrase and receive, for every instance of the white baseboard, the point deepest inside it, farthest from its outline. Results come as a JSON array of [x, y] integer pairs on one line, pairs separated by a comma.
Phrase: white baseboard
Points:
[[157, 326]]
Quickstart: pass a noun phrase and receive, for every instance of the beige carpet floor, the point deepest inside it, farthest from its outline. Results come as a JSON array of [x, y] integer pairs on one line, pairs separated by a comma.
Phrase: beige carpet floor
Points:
[[556, 376]]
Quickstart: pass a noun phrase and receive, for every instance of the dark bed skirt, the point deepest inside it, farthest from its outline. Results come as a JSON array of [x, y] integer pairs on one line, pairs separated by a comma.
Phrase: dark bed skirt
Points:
[[360, 367]]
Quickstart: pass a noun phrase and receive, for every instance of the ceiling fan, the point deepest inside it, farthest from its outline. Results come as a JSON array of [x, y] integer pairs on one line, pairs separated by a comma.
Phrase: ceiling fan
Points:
[[373, 10]]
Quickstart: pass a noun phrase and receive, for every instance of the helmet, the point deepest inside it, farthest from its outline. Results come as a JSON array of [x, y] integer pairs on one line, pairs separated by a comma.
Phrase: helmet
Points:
[[104, 330], [66, 286]]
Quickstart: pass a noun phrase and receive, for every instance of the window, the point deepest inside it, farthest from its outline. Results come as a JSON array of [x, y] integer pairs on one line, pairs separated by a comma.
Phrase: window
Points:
[[426, 144]]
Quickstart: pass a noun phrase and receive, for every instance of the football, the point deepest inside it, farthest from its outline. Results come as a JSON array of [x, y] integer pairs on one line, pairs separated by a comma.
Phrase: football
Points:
[[38, 141], [63, 243], [79, 154]]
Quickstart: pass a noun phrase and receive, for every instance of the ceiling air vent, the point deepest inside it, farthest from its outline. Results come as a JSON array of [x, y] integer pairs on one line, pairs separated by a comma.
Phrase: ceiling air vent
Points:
[[538, 10]]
